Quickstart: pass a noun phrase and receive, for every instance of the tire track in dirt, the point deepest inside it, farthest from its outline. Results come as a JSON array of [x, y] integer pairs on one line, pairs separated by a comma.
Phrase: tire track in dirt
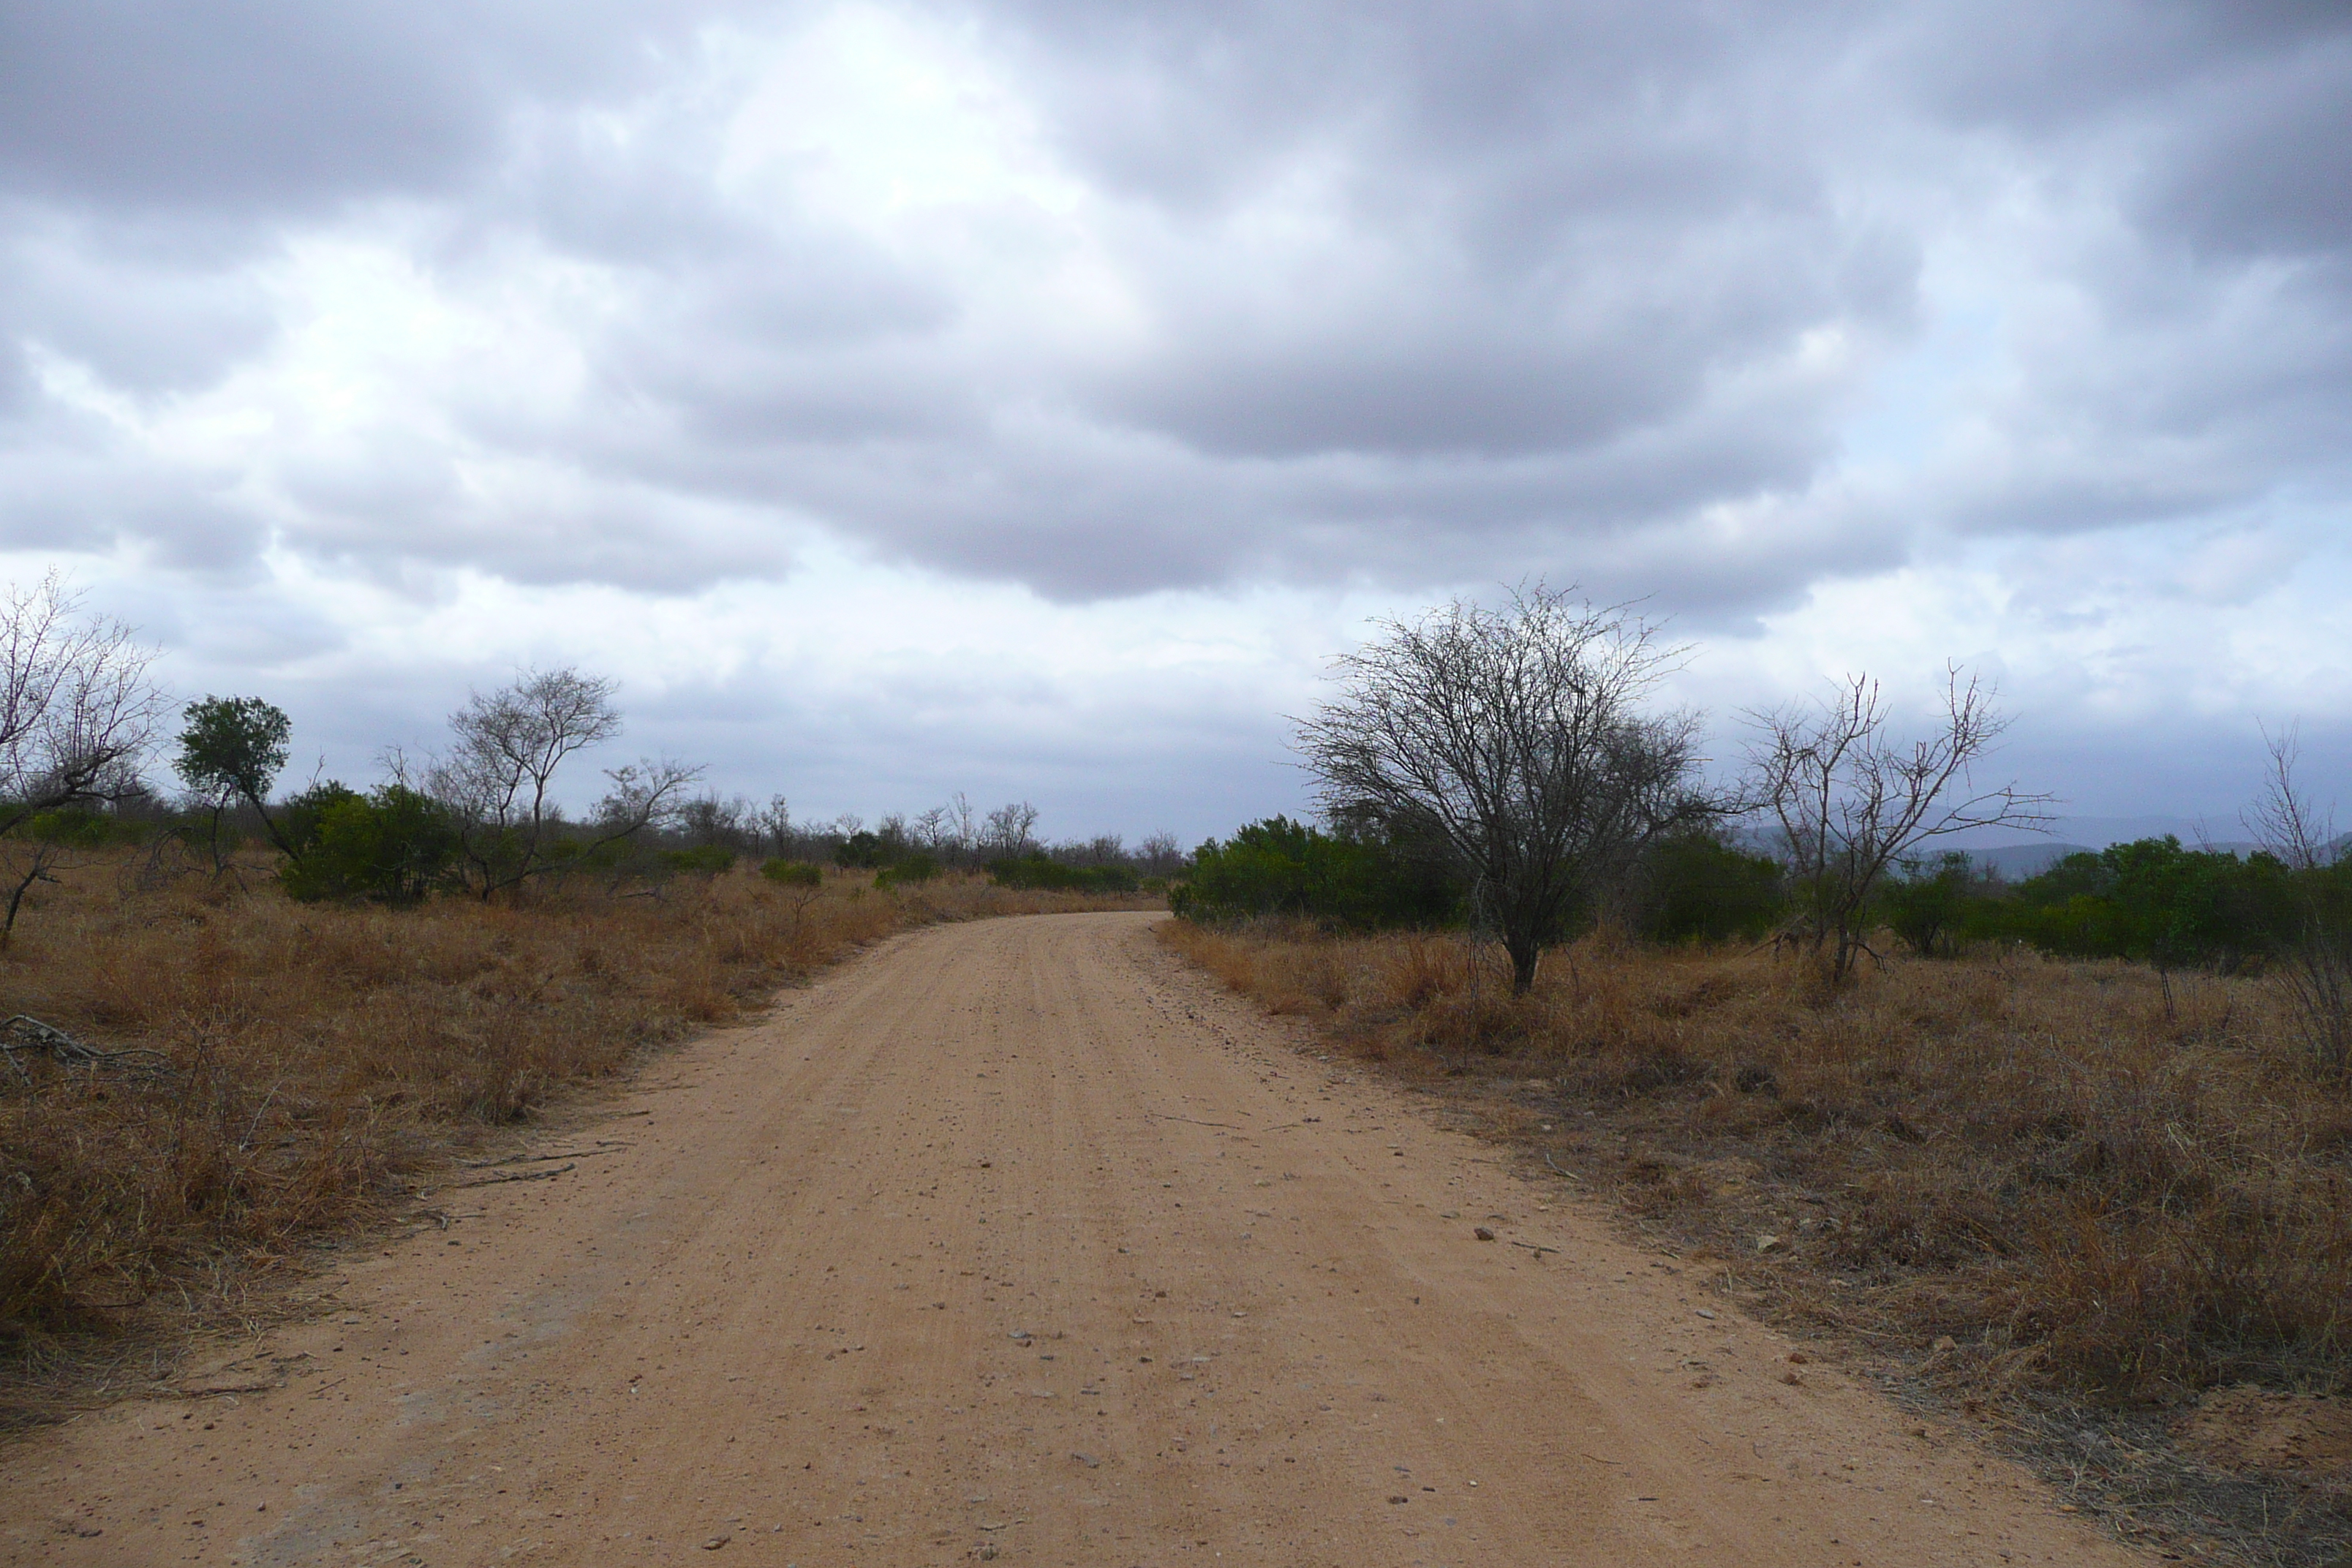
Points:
[[1018, 1241]]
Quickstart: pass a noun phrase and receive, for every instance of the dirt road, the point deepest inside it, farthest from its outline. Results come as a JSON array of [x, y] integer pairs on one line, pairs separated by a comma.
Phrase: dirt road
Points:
[[1017, 1241]]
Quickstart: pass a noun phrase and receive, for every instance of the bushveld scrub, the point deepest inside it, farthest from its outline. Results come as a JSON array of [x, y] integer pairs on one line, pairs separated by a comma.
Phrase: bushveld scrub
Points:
[[1037, 872], [2030, 1178], [320, 1051]]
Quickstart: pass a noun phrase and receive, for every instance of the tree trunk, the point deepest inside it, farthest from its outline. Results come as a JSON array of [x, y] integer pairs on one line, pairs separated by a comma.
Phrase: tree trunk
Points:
[[1525, 956]]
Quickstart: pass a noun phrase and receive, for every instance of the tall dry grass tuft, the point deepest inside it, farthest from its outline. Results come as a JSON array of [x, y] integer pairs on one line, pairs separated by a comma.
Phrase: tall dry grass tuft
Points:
[[321, 1053], [2037, 1161]]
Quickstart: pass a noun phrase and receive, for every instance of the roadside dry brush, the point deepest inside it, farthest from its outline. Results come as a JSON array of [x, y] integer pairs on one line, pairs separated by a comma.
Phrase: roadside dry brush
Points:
[[320, 1055], [2031, 1158]]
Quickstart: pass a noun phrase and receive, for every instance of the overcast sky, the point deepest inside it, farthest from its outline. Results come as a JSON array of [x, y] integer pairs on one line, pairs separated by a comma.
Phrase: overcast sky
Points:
[[1028, 397]]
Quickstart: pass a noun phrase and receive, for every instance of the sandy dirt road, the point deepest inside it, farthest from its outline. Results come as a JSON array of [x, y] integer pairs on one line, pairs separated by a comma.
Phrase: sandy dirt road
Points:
[[1017, 1241]]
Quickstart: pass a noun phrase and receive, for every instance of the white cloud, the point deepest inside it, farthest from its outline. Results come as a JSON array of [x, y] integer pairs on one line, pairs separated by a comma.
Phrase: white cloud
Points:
[[895, 393]]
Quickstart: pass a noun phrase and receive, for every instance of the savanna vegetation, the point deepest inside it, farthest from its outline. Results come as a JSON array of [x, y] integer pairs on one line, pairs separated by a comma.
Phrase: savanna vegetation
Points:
[[2072, 1152], [239, 1021]]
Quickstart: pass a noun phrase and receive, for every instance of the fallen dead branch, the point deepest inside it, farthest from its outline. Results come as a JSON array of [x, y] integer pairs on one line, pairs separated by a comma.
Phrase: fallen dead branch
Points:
[[516, 1176], [542, 1159], [25, 1034]]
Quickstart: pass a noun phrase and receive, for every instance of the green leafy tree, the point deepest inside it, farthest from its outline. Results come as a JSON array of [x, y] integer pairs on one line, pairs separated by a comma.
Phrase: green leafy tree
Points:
[[232, 751]]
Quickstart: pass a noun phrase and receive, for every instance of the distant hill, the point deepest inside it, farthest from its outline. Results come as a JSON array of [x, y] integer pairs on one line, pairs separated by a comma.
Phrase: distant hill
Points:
[[2015, 862]]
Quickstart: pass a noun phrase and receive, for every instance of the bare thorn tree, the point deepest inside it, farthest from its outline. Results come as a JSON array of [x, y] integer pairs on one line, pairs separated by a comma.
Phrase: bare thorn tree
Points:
[[1851, 801], [1162, 854], [2316, 971], [77, 712], [643, 793], [1010, 830], [2285, 821], [1516, 738], [775, 824], [931, 830], [713, 819], [496, 778]]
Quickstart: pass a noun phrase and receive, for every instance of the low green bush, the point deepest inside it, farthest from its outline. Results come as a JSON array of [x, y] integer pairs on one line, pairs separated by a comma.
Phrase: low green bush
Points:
[[1037, 871], [74, 827], [792, 873], [707, 859], [863, 851], [1933, 906], [1281, 866], [1694, 886], [915, 868], [392, 846], [2152, 900], [299, 816]]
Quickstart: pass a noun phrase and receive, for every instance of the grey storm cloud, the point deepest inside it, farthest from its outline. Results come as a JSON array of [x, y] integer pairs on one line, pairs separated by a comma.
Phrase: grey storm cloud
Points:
[[261, 106], [1414, 293]]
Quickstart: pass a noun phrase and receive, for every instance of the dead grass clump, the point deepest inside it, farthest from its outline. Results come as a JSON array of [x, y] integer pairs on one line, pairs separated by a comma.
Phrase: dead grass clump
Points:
[[2013, 1152], [2044, 1187], [319, 1054]]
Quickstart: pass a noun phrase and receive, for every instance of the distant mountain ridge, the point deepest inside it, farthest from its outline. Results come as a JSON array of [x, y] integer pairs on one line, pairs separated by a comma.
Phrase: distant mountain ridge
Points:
[[2018, 859]]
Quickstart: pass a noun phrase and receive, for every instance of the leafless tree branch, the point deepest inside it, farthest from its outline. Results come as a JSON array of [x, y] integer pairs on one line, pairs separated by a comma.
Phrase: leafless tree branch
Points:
[[1850, 801], [77, 711]]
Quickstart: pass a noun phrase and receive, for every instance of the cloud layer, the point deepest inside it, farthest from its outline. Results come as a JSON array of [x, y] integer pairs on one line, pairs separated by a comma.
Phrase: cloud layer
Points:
[[1096, 302]]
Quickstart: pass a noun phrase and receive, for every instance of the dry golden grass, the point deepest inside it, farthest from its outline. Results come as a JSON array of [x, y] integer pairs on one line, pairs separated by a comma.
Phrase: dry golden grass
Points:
[[321, 1054], [2030, 1182]]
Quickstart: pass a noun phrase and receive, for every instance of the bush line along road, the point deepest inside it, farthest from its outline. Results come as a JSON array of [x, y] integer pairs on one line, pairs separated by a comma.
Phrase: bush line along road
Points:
[[1014, 1240]]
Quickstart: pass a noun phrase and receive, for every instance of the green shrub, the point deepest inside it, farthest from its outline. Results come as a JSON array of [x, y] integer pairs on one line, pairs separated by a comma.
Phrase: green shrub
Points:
[[792, 873], [863, 851], [2154, 900], [707, 859], [299, 816], [1037, 871], [1281, 866], [1696, 888], [915, 868], [393, 846], [75, 827], [1930, 907]]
